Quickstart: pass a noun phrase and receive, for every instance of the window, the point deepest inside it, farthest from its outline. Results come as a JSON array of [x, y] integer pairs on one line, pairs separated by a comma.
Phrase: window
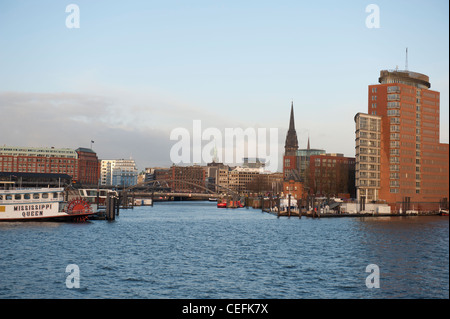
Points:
[[393, 97], [392, 105], [392, 89], [394, 112]]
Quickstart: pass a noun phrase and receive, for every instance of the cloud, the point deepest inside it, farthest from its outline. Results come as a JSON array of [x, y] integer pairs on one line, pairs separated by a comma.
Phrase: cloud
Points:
[[122, 125], [73, 120]]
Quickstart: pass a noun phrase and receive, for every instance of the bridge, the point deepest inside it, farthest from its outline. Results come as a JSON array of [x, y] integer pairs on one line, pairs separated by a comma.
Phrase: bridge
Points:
[[162, 188]]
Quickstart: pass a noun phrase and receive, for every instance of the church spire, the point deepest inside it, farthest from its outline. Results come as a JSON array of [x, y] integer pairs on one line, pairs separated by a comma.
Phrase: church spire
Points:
[[291, 122], [291, 144]]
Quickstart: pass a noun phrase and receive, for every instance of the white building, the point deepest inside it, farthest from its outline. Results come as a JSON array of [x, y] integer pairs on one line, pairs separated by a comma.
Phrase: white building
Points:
[[122, 172]]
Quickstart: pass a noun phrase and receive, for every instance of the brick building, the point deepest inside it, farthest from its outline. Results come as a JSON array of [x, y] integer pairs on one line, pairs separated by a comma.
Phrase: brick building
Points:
[[413, 164], [187, 179], [80, 164], [332, 175]]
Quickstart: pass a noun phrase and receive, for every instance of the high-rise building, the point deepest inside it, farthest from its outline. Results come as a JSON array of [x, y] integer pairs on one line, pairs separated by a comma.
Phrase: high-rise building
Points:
[[405, 165], [368, 156]]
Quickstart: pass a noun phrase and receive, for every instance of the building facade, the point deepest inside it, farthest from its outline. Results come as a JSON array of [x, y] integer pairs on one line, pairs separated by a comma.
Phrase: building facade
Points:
[[88, 167], [368, 156], [304, 156], [413, 165], [81, 164], [332, 175], [187, 179], [120, 172], [39, 160]]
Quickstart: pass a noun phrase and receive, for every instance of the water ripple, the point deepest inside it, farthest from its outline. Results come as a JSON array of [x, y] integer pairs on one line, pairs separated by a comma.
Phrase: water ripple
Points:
[[193, 250]]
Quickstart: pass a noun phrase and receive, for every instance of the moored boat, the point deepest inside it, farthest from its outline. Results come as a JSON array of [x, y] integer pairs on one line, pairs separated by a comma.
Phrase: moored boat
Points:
[[230, 204], [40, 204]]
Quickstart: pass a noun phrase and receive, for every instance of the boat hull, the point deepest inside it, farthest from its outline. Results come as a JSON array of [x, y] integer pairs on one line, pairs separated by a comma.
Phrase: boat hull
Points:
[[57, 218]]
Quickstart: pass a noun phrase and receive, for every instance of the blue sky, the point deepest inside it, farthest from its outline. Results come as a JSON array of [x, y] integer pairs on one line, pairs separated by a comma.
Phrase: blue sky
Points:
[[135, 70]]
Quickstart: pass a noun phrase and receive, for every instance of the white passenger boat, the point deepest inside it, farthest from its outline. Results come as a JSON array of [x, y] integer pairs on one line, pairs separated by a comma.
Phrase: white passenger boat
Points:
[[40, 204]]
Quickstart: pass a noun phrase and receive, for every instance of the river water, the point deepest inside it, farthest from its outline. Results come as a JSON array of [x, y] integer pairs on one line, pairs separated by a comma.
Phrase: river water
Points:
[[194, 250]]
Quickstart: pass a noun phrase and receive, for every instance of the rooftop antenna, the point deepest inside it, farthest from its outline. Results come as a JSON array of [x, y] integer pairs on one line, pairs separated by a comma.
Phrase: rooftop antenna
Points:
[[406, 63]]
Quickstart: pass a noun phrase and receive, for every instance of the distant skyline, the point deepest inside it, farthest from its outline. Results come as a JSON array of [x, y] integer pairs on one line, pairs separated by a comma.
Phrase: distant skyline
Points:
[[136, 70]]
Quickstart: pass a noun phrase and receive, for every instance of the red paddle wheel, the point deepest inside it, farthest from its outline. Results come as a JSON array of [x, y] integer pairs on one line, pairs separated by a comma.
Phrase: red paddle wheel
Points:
[[80, 208]]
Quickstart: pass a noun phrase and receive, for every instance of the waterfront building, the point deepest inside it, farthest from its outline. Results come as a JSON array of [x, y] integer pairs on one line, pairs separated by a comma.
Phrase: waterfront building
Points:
[[187, 179], [81, 165], [332, 175], [119, 172], [88, 167], [106, 171], [413, 165], [368, 156], [239, 178], [214, 174], [39, 160], [304, 157]]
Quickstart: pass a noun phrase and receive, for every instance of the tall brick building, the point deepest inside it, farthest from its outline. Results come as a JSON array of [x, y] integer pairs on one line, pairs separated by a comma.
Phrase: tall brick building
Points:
[[410, 165]]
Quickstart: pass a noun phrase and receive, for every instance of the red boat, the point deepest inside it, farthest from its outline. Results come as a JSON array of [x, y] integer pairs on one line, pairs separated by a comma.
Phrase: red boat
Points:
[[231, 204], [222, 205], [443, 212]]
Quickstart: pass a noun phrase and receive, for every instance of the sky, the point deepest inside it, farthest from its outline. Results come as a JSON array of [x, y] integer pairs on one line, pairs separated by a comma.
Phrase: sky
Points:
[[136, 70]]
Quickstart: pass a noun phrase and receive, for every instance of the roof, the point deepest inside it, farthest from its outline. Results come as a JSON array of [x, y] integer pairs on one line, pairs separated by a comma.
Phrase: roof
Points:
[[34, 175], [83, 149]]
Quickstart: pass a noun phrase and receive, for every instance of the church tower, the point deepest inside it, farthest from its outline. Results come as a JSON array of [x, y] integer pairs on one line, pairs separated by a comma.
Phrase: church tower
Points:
[[291, 144], [291, 158]]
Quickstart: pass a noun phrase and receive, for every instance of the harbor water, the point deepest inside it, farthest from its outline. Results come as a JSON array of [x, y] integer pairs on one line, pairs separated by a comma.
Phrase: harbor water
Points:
[[194, 250]]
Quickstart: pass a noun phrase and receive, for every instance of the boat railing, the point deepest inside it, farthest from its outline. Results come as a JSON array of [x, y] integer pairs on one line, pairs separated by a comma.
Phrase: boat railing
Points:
[[8, 199], [32, 189]]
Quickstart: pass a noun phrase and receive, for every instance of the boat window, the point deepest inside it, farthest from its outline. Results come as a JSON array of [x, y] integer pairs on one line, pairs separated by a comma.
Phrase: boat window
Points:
[[26, 196], [91, 192], [8, 197], [55, 195], [35, 196], [44, 195], [18, 197], [1, 197]]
